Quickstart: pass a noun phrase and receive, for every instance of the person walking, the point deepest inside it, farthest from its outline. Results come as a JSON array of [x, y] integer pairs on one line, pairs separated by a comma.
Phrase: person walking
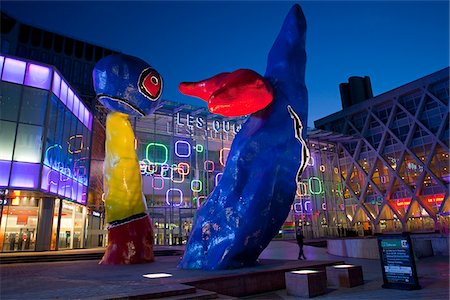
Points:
[[300, 237]]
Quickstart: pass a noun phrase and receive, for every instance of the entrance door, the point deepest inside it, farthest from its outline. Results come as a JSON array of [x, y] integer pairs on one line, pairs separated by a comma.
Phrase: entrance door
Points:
[[158, 217]]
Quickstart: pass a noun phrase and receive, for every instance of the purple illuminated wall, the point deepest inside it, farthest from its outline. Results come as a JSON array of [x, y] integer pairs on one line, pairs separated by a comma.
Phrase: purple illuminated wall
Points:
[[56, 177]]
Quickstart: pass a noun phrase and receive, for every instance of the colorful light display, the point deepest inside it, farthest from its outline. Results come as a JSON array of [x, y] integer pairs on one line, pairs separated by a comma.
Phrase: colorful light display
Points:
[[187, 149], [170, 196], [151, 148]]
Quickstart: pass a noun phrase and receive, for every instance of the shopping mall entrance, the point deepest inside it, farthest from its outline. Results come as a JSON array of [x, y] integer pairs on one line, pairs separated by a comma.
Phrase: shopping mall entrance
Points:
[[31, 222]]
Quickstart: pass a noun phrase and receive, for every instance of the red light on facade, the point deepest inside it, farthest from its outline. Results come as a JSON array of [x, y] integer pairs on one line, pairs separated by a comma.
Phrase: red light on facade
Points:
[[402, 201], [438, 198]]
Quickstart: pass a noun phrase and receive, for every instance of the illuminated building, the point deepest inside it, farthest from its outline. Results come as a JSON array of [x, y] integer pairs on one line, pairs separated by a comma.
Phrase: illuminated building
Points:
[[379, 165], [44, 158], [393, 158], [182, 151]]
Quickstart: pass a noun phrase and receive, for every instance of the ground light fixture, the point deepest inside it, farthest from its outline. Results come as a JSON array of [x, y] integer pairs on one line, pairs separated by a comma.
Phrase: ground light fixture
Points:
[[157, 275], [343, 266], [305, 272]]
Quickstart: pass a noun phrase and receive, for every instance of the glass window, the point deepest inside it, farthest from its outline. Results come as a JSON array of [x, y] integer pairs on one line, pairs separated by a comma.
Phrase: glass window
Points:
[[28, 146], [9, 101], [33, 106], [13, 70], [38, 76], [72, 226], [5, 167], [24, 175], [19, 224], [7, 133], [66, 157]]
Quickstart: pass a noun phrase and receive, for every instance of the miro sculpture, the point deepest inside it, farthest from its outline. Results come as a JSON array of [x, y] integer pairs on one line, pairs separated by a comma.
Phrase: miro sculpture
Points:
[[253, 198], [127, 86]]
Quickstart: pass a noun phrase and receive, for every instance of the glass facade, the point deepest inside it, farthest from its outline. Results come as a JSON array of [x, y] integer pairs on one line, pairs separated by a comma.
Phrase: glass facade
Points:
[[380, 170], [45, 134], [394, 172], [182, 152]]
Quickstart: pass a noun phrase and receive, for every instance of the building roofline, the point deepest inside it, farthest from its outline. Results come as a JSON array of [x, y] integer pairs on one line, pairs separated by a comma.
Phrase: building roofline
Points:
[[403, 89], [65, 35]]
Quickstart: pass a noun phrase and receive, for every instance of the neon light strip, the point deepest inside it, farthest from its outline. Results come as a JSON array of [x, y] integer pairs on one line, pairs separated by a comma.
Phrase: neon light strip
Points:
[[217, 179], [200, 200], [181, 169], [166, 152], [222, 160], [205, 166], [302, 188], [199, 188], [175, 190], [160, 179], [311, 184], [174, 170], [199, 148], [165, 170], [77, 136], [60, 171], [188, 147]]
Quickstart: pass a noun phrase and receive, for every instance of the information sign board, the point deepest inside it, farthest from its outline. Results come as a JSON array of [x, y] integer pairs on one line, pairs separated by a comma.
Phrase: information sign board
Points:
[[397, 262]]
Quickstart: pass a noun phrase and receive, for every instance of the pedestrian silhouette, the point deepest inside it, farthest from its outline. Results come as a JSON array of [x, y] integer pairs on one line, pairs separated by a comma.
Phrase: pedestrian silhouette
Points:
[[300, 237]]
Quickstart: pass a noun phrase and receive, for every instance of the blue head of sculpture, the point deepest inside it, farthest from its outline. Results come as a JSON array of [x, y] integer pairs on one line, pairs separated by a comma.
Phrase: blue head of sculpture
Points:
[[127, 84]]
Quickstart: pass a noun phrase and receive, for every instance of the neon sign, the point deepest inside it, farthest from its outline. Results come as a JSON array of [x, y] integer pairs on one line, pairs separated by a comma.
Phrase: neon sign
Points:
[[217, 178], [200, 123], [199, 148], [155, 146], [303, 207], [438, 198], [173, 171], [183, 168], [209, 163], [312, 186], [223, 157], [196, 186], [171, 203], [200, 200], [177, 149], [156, 179]]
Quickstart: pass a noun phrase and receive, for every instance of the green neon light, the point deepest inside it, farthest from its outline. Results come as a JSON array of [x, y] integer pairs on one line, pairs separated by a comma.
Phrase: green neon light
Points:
[[199, 148], [166, 152], [310, 183], [200, 185]]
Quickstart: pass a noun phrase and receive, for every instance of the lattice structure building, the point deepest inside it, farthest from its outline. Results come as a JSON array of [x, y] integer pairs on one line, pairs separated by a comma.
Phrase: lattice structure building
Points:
[[395, 174]]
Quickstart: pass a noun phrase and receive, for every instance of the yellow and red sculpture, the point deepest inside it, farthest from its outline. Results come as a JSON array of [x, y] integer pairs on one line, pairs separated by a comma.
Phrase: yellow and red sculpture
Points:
[[127, 86]]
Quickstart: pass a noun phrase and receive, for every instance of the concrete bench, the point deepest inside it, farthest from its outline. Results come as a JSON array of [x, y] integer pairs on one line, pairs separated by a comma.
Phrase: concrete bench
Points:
[[345, 275], [305, 283]]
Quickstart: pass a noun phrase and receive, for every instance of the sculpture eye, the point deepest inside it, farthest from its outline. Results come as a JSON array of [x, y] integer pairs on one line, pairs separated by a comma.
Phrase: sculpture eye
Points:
[[150, 84]]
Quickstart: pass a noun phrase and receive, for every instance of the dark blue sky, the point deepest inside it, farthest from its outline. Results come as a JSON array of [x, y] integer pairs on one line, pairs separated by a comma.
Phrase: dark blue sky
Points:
[[392, 42]]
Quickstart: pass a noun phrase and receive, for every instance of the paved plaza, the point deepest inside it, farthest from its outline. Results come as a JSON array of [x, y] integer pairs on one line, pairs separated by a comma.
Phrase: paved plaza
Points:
[[88, 280]]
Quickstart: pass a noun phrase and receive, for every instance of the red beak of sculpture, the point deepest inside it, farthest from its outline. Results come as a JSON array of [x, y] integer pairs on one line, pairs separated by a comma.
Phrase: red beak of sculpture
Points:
[[234, 94]]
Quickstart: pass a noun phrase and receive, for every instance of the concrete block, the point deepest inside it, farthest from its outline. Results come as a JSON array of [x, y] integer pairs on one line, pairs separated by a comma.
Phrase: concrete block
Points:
[[306, 283], [345, 275]]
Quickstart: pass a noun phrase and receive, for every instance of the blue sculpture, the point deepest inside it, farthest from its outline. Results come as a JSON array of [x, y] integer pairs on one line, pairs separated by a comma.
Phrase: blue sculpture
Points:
[[127, 84], [254, 196]]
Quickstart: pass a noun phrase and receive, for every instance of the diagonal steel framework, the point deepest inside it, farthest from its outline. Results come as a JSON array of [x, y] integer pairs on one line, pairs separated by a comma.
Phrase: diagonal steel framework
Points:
[[413, 192]]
